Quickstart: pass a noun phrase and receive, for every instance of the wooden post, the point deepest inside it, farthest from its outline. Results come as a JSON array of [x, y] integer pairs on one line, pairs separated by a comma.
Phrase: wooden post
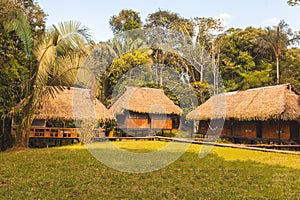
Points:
[[278, 127], [193, 128]]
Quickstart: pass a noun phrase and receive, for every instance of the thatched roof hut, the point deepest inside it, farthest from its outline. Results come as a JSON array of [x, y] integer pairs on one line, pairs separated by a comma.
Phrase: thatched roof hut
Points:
[[73, 104], [266, 103], [144, 100]]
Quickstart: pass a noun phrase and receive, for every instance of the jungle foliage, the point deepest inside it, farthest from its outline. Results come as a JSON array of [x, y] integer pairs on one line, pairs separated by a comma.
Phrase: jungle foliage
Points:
[[216, 59]]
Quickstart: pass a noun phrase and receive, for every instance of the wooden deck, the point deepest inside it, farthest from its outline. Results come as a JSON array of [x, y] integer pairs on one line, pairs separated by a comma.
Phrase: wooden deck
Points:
[[286, 149], [60, 135], [149, 138], [278, 147], [254, 141]]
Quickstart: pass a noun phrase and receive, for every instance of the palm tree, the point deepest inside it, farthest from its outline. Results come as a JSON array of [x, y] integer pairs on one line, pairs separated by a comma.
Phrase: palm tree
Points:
[[59, 44], [278, 39]]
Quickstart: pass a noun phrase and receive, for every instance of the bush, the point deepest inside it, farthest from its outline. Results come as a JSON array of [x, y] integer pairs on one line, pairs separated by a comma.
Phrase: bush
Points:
[[167, 133]]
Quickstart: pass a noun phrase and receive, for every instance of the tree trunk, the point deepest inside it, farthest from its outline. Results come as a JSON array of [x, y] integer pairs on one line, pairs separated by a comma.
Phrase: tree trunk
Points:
[[214, 72], [201, 65], [23, 132], [217, 71], [21, 139], [160, 75], [215, 68], [156, 74], [277, 71], [25, 138]]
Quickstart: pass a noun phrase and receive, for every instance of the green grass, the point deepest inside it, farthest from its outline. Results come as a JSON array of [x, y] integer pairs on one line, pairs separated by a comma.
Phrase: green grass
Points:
[[73, 173]]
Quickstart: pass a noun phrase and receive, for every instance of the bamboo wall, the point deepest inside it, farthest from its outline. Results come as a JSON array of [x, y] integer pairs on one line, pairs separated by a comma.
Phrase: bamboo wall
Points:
[[137, 123], [270, 130], [248, 130], [144, 121], [204, 128], [161, 124]]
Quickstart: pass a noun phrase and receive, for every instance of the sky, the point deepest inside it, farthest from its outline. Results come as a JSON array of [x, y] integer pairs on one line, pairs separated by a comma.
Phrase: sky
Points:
[[95, 14]]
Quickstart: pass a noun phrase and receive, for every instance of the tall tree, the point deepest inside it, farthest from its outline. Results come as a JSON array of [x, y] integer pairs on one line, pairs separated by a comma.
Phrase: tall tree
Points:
[[14, 50], [207, 30], [290, 63], [35, 15], [59, 42], [169, 30], [15, 62], [279, 38], [12, 56], [167, 20], [244, 63], [126, 20], [118, 68]]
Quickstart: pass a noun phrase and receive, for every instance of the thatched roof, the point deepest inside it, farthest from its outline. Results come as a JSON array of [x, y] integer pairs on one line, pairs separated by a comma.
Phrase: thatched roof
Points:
[[73, 104], [274, 102], [144, 100]]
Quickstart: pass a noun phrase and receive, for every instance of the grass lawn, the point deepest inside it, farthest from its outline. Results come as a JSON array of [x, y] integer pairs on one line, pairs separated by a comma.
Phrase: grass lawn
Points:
[[71, 172]]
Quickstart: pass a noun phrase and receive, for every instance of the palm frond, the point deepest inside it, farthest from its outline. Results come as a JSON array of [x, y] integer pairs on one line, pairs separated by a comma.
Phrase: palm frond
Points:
[[61, 41], [73, 36], [68, 67], [45, 54]]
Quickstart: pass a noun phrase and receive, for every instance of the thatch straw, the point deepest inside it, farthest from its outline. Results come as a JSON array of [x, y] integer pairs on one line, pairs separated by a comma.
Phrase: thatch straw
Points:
[[73, 104], [144, 100], [274, 102]]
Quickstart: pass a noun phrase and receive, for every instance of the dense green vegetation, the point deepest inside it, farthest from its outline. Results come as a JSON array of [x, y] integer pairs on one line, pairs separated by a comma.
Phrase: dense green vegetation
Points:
[[217, 59], [15, 64], [71, 172], [47, 60]]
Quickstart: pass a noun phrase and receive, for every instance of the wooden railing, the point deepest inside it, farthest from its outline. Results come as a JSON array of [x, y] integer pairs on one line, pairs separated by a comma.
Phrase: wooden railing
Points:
[[57, 132], [49, 132]]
